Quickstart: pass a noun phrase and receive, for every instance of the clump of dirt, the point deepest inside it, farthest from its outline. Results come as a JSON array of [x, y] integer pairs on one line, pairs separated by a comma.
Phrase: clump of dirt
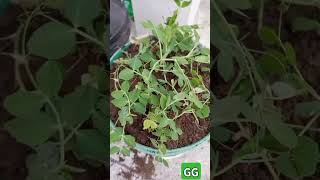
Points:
[[192, 131]]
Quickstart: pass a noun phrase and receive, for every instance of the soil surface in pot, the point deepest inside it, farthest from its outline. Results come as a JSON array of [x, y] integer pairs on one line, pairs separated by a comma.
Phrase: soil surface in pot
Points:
[[192, 131], [307, 46]]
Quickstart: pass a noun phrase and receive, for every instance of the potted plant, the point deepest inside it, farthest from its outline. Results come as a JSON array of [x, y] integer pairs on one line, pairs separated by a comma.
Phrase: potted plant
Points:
[[159, 87]]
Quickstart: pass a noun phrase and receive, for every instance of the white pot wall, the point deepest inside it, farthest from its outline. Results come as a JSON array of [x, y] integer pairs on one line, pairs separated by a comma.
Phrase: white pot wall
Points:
[[158, 10]]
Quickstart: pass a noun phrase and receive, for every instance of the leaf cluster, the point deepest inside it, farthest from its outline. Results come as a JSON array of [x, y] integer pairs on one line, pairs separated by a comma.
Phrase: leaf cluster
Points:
[[259, 80], [169, 83], [45, 118]]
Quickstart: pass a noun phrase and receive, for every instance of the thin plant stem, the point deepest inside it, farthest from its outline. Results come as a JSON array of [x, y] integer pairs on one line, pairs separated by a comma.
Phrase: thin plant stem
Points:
[[226, 168], [305, 129], [76, 30], [269, 166], [25, 30], [302, 127], [55, 112], [260, 16], [280, 23]]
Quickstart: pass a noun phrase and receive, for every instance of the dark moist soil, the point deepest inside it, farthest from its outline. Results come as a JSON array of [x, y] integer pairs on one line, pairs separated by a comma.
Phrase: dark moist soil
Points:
[[307, 46], [192, 131], [12, 153]]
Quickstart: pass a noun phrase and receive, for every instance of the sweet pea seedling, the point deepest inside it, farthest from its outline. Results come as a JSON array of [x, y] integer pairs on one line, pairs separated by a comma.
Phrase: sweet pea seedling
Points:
[[172, 50]]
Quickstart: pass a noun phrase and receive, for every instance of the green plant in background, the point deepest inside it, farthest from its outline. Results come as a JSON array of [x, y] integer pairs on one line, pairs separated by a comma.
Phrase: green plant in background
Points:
[[51, 123], [186, 93], [250, 100], [3, 6]]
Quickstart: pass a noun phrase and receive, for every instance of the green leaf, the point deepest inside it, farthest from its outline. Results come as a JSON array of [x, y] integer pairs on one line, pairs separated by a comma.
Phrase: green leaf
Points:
[[41, 163], [182, 61], [162, 148], [179, 131], [148, 124], [291, 54], [225, 66], [268, 36], [120, 102], [143, 99], [130, 140], [227, 108], [250, 147], [305, 24], [272, 62], [82, 12], [134, 95], [180, 96], [32, 130], [186, 3], [301, 162], [125, 86], [52, 41], [145, 75], [91, 144], [270, 143], [50, 78], [205, 51], [163, 122], [174, 135], [202, 59], [117, 94], [148, 24], [285, 135], [283, 90], [307, 109], [154, 100], [171, 20], [146, 56], [115, 136], [221, 134], [194, 99], [135, 63], [99, 118], [100, 75], [126, 74], [163, 101], [304, 156], [139, 108], [204, 112], [114, 150], [124, 117], [24, 103], [286, 166], [78, 106], [125, 151]]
